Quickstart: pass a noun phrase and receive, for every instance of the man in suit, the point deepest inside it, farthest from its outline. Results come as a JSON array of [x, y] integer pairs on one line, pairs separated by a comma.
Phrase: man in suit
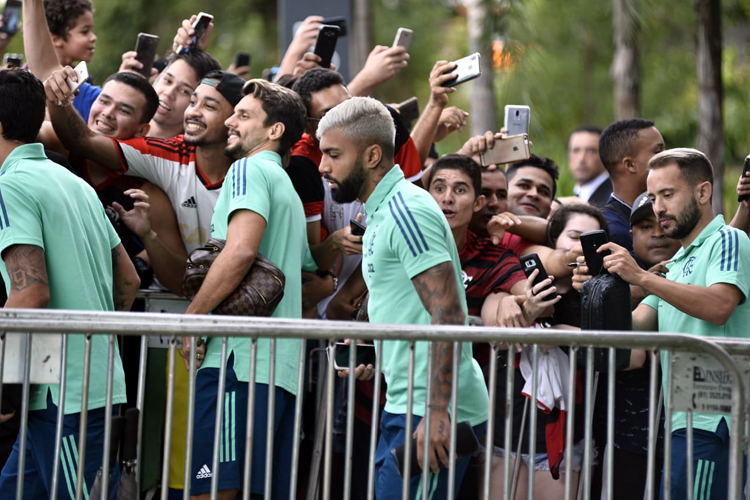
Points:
[[592, 180]]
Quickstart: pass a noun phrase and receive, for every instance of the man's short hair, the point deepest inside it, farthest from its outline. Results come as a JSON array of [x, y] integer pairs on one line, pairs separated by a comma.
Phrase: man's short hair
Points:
[[316, 80], [541, 162], [616, 141], [590, 129], [22, 105], [365, 121], [201, 62], [280, 105], [695, 166], [463, 164], [141, 85], [63, 14]]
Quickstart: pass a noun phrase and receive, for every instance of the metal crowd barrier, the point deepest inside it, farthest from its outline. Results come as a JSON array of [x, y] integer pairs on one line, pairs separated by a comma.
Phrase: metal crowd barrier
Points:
[[714, 355]]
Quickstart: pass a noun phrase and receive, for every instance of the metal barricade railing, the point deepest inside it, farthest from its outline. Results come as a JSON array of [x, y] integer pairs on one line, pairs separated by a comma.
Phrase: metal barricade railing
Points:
[[96, 324]]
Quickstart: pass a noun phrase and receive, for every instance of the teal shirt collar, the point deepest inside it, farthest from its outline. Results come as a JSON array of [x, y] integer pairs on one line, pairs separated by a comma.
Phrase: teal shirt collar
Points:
[[393, 177], [24, 152], [713, 226]]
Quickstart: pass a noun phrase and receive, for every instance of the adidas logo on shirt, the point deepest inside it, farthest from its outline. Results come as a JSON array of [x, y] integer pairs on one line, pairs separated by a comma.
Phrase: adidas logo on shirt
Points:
[[204, 473], [190, 203]]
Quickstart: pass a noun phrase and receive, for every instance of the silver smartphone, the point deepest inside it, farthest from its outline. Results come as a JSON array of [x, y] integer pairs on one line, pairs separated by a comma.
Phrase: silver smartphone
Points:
[[403, 38], [468, 68], [517, 119]]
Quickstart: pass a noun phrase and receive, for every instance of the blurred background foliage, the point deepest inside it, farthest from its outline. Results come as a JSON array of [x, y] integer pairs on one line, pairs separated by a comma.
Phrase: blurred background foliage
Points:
[[553, 56]]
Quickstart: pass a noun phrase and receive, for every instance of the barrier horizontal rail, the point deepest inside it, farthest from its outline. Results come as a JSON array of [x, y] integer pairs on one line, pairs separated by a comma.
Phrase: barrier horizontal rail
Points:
[[147, 324]]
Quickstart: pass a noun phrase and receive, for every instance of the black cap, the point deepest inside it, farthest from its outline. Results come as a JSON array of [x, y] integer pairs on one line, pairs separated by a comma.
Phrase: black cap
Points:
[[642, 208], [227, 84]]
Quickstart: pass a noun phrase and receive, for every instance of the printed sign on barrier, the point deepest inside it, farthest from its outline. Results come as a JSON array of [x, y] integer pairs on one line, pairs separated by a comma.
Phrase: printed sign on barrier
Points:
[[45, 358], [700, 383]]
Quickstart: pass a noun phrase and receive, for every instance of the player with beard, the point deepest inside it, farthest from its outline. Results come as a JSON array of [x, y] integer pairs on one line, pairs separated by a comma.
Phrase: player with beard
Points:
[[411, 266], [257, 213], [705, 294]]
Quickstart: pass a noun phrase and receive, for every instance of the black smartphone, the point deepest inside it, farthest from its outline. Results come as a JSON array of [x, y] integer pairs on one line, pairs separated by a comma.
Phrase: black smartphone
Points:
[[745, 170], [241, 59], [145, 47], [466, 69], [365, 355], [339, 21], [531, 262], [325, 44], [358, 229], [11, 17], [591, 241], [466, 444], [13, 60], [409, 109], [199, 27]]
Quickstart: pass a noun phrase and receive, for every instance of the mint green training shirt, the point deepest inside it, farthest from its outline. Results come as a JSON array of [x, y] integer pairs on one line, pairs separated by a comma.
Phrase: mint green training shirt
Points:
[[45, 205], [406, 235], [260, 184], [720, 254]]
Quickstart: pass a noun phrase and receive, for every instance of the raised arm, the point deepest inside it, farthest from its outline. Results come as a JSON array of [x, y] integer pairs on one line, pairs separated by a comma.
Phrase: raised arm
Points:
[[423, 133], [125, 280], [438, 291], [382, 64], [27, 270], [37, 41], [70, 128]]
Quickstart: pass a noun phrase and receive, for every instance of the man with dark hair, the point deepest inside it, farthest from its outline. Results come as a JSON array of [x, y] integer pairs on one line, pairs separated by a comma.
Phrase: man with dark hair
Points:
[[705, 294], [257, 213], [411, 261], [532, 184], [59, 251], [592, 180], [625, 148]]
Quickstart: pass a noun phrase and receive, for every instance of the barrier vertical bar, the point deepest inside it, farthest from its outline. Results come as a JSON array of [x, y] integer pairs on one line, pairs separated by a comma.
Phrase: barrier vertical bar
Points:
[[2, 363], [570, 421], [108, 418], [374, 423], [508, 438], [489, 442], [168, 420], [455, 370], [428, 418], [653, 428], [192, 369], [690, 454], [60, 414], [298, 420], [328, 448], [610, 420], [24, 418], [270, 428], [84, 417], [587, 433], [533, 415], [668, 427], [351, 386], [140, 403], [250, 429], [219, 423], [409, 427]]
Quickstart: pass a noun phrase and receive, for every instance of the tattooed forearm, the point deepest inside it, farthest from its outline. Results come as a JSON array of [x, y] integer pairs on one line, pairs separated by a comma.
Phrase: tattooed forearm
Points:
[[26, 266], [76, 125], [442, 376], [438, 290]]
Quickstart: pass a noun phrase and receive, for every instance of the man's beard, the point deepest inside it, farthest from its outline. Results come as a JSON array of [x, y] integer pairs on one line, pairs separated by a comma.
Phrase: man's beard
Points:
[[686, 221], [236, 151], [348, 190]]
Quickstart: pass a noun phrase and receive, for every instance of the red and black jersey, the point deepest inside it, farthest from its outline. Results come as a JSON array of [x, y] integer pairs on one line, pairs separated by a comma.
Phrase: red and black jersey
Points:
[[486, 269], [303, 171]]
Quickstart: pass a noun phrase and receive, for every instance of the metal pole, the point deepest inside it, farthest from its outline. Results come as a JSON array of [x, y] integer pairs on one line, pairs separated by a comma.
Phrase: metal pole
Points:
[[351, 386], [169, 420], [249, 431], [409, 430], [140, 403], [270, 428], [489, 442], [611, 421], [653, 428], [427, 418], [534, 416], [374, 423], [329, 423], [667, 367], [108, 418], [508, 440], [84, 417], [298, 420], [570, 427], [454, 417], [24, 417], [193, 371], [60, 414], [219, 423]]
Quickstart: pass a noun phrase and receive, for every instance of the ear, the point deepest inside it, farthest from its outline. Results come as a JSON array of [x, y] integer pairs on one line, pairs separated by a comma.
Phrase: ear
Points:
[[479, 203], [704, 192], [276, 132], [143, 130], [58, 41], [629, 165], [631, 232], [372, 156]]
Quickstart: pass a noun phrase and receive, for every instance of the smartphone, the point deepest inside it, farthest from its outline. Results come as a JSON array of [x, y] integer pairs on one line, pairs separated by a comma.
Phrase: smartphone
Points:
[[745, 169], [145, 47], [531, 262], [199, 27], [507, 149], [83, 74], [339, 21], [466, 444], [11, 17], [325, 44], [517, 119], [466, 69], [403, 38], [591, 241], [365, 355], [358, 229], [13, 60], [409, 109], [241, 59]]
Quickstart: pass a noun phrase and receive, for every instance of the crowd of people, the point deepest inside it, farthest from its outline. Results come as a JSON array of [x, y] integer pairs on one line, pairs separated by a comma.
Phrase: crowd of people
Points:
[[108, 189]]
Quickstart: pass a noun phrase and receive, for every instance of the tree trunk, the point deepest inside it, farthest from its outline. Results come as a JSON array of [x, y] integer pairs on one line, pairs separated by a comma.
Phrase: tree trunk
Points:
[[711, 92], [483, 117], [361, 35], [626, 64]]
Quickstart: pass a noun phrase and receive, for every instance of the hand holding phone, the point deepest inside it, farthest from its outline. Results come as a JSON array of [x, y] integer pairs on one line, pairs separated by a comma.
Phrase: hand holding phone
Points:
[[200, 26], [357, 228], [83, 74], [517, 119], [365, 355], [409, 109], [11, 17], [532, 262], [241, 59], [145, 48], [325, 44], [590, 242], [466, 69], [745, 170], [506, 149], [403, 38]]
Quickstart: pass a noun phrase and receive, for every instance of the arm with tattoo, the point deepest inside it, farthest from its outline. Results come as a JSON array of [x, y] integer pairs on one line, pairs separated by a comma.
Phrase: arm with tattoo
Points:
[[438, 291], [125, 280], [27, 271]]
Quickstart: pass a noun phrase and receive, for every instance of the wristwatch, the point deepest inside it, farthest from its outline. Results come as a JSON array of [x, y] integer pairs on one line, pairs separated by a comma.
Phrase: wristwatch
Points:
[[335, 279]]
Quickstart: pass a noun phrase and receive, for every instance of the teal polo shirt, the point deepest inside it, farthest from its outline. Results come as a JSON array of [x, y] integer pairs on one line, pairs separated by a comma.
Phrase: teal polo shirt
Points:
[[45, 205], [406, 235], [260, 184], [720, 254]]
